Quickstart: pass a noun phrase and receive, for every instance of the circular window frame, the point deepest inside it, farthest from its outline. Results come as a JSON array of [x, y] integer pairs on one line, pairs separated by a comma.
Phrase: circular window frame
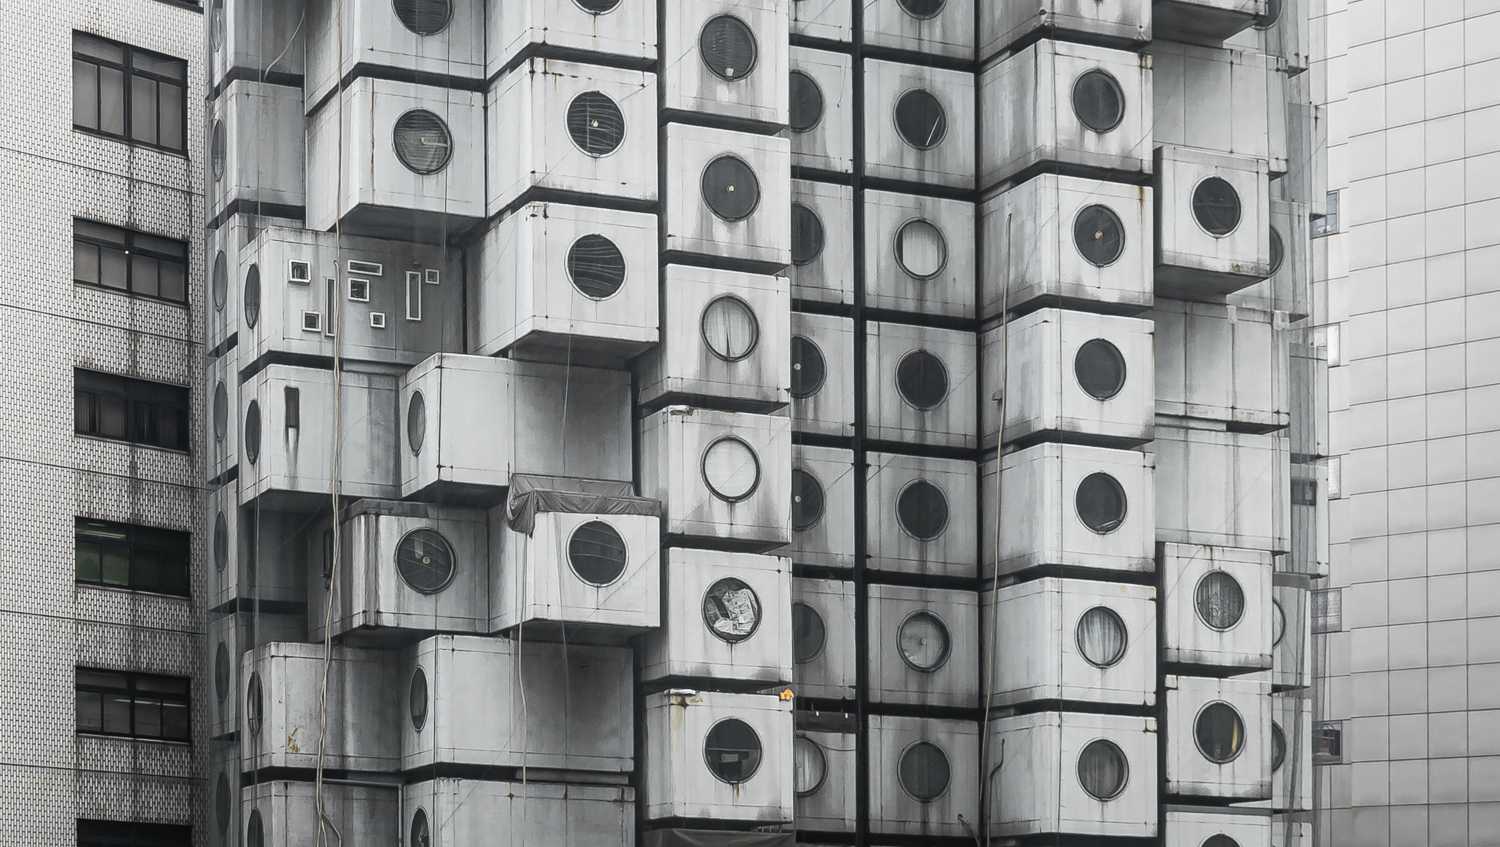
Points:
[[754, 48], [453, 557], [1124, 503], [754, 326], [760, 610], [1243, 730], [1278, 251], [704, 194], [573, 281], [219, 281], [822, 496], [223, 803], [822, 103], [941, 7], [896, 123], [821, 229], [1124, 637], [1278, 745], [947, 510], [218, 151], [418, 720], [221, 541], [1118, 357], [947, 641], [416, 422], [948, 760], [947, 381], [822, 364], [1113, 84], [703, 470], [624, 128], [1277, 613], [420, 817], [1119, 224], [447, 131], [255, 830], [1198, 221], [251, 296], [613, 6], [255, 706], [447, 21], [822, 757], [760, 760], [901, 263], [1198, 610], [823, 627], [1124, 763], [251, 435], [573, 566], [221, 411], [223, 673]]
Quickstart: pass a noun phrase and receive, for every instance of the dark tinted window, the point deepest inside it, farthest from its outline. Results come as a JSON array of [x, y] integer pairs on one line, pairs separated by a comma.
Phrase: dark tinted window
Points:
[[423, 143], [807, 102], [922, 510], [126, 409], [924, 771], [130, 262], [807, 500], [130, 94], [808, 633], [728, 47], [93, 833], [1098, 101], [730, 188], [1102, 769], [732, 750], [595, 123], [136, 705], [920, 119], [597, 553], [1101, 503], [922, 8], [922, 380], [1220, 733], [1099, 235], [123, 555], [1278, 251], [596, 266], [1216, 206], [1100, 369], [809, 369], [425, 561], [807, 235], [424, 17]]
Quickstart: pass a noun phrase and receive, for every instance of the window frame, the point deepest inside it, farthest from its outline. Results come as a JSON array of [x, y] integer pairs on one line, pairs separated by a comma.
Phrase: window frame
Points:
[[130, 393], [128, 241], [132, 689], [132, 544], [102, 833], [130, 72]]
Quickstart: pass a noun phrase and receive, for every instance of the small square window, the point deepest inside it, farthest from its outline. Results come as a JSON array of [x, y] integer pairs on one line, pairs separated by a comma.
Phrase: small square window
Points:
[[432, 276], [1328, 610], [377, 320], [359, 290], [312, 321], [299, 271], [1328, 743]]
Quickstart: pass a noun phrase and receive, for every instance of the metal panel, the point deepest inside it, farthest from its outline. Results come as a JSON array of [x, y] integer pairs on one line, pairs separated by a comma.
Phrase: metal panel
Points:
[[1223, 489], [1288, 831], [229, 638], [1247, 776], [244, 572], [224, 309], [827, 407], [520, 28], [1289, 288], [253, 36], [260, 160], [823, 519], [1309, 533], [462, 812], [712, 630], [1192, 263], [892, 283], [531, 148], [755, 93], [906, 494], [1215, 99], [903, 671], [826, 19], [1002, 25], [1306, 180], [891, 416], [527, 301], [827, 276], [1292, 779], [1047, 372], [1191, 829], [828, 805], [764, 237], [828, 145], [1035, 786], [894, 810], [1204, 21], [828, 673], [1026, 108], [1286, 37], [949, 32], [948, 160], [288, 813], [1292, 649], [374, 36], [1201, 626], [1222, 363], [678, 782]]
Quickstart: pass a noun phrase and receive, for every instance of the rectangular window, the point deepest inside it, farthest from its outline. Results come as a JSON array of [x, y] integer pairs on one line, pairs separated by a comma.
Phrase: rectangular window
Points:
[[128, 834], [1328, 743], [293, 399], [1328, 610], [413, 296], [1329, 223], [131, 262], [141, 558], [331, 306], [126, 409], [134, 705], [359, 290], [134, 95]]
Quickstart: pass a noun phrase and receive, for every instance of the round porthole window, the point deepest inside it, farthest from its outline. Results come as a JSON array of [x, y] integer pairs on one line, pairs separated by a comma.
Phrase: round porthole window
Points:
[[221, 541], [809, 766], [1216, 207], [730, 188], [597, 553], [1098, 101], [728, 47], [923, 641], [732, 751], [216, 154], [220, 281], [596, 267], [595, 123], [731, 469], [1100, 502], [417, 699], [1278, 251], [222, 803], [254, 705], [1101, 637], [807, 235], [921, 250], [422, 142], [252, 432], [809, 368], [1220, 840], [730, 328], [807, 103], [1220, 733], [1102, 769], [216, 25], [922, 380], [252, 296], [1278, 623], [1278, 747], [922, 510], [1219, 600], [221, 411], [425, 561], [424, 17], [922, 8], [597, 7], [809, 633], [1099, 235], [807, 500], [416, 422], [421, 832], [1100, 369], [731, 611], [920, 119], [254, 833], [924, 772], [221, 671]]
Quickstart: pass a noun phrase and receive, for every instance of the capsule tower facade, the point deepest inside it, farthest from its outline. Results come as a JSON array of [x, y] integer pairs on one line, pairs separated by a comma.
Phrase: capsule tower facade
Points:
[[759, 422]]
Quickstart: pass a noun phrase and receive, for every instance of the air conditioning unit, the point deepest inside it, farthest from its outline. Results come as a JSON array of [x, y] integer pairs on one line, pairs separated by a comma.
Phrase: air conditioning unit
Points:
[[916, 256], [575, 556], [512, 703], [448, 812], [726, 341], [297, 301], [1063, 239], [1222, 489], [920, 515], [829, 20], [919, 120], [823, 638], [1291, 831], [1216, 607], [921, 385], [821, 123], [222, 274], [1291, 752], [1058, 773], [469, 422], [728, 194], [726, 59], [822, 268], [408, 567], [563, 129], [285, 814], [1214, 99], [255, 150], [1281, 32], [246, 35], [719, 756], [281, 719], [822, 374], [1072, 640], [922, 646], [824, 779], [1222, 363], [223, 379], [1219, 737], [933, 27], [822, 506], [223, 794], [722, 477], [1084, 376], [1205, 21], [1066, 104], [435, 39], [1111, 21], [725, 620], [1213, 223], [921, 776], [241, 571], [1289, 287], [282, 403], [230, 637], [623, 30], [413, 161], [1291, 632], [1217, 829], [1070, 505]]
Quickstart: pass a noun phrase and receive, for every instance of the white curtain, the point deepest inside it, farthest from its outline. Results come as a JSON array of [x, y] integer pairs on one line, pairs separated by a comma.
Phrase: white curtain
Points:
[[1220, 600], [1101, 769], [729, 328], [1101, 636], [808, 765], [921, 249]]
